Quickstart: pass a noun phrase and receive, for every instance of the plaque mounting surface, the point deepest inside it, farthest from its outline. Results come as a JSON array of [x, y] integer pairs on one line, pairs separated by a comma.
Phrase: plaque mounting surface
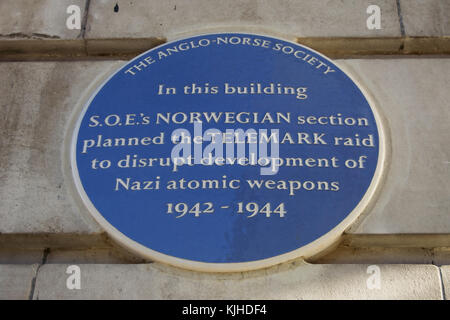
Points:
[[227, 216]]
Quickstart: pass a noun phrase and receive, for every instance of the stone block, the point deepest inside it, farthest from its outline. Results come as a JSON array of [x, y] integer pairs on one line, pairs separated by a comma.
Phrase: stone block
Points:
[[445, 272], [37, 101], [172, 19], [426, 18], [16, 281], [411, 96], [39, 27], [295, 280]]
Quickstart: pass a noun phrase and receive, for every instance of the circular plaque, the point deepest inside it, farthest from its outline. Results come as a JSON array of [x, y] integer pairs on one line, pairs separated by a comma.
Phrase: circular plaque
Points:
[[227, 152]]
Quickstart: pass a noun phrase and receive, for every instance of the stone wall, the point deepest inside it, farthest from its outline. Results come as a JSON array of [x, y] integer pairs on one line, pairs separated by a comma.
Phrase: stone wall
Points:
[[46, 68]]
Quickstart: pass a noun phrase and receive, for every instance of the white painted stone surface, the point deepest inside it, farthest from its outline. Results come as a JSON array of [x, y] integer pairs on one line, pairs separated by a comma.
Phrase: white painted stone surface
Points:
[[429, 18], [411, 95], [291, 18], [289, 281], [16, 281], [43, 19], [37, 100]]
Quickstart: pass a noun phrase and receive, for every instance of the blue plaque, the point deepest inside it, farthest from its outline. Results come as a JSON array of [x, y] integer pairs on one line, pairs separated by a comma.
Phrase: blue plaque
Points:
[[227, 152]]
